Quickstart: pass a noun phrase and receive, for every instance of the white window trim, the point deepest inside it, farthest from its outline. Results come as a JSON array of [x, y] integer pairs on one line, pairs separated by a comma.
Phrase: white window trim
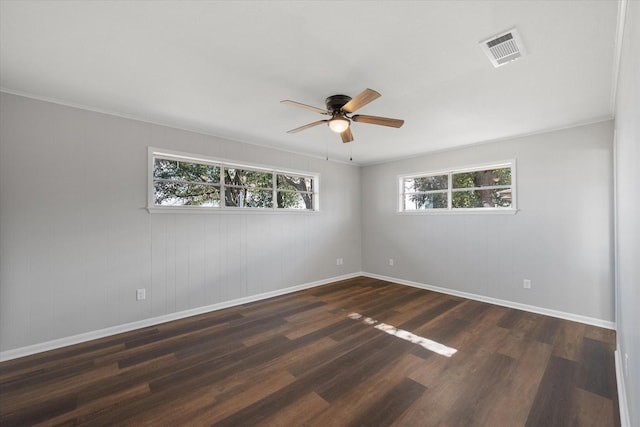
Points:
[[459, 211], [152, 152]]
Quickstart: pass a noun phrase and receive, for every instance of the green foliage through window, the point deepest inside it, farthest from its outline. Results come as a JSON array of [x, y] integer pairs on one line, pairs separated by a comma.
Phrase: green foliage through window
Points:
[[426, 192], [178, 182], [294, 191], [489, 187]]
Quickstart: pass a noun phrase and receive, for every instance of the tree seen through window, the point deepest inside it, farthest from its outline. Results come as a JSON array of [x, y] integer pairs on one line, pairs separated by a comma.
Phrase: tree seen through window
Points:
[[189, 183], [490, 187]]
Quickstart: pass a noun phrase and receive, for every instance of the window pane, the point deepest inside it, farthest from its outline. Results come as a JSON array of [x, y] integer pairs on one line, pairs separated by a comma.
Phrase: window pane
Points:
[[247, 198], [248, 178], [425, 201], [496, 198], [296, 183], [294, 200], [259, 199], [299, 192], [185, 171], [199, 172], [426, 183], [176, 193], [485, 178], [165, 169], [234, 196]]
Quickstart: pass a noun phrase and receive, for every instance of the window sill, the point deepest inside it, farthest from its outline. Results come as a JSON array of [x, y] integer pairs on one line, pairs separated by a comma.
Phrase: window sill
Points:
[[482, 211], [218, 211]]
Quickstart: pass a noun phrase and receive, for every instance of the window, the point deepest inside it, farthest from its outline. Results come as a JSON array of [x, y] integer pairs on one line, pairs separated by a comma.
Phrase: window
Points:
[[483, 188], [182, 181]]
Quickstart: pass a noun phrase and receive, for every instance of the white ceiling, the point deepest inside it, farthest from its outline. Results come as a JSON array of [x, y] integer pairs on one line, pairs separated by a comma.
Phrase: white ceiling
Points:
[[221, 67]]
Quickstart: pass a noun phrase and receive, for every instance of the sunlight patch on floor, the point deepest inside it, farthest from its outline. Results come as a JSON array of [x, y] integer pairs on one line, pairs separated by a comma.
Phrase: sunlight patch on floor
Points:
[[430, 345]]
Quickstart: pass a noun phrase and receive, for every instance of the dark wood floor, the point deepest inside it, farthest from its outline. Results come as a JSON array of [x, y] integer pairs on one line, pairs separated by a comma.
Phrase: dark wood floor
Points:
[[300, 360]]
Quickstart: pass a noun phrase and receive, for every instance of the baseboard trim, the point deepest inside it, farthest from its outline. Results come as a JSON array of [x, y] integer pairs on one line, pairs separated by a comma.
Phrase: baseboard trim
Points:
[[622, 391], [505, 303], [101, 333]]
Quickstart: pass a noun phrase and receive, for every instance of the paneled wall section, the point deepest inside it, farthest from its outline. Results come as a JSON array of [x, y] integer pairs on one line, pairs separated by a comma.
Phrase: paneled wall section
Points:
[[76, 240]]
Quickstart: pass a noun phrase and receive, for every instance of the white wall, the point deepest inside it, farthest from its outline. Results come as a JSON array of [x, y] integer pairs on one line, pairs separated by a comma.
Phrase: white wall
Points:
[[561, 238], [628, 209], [76, 240]]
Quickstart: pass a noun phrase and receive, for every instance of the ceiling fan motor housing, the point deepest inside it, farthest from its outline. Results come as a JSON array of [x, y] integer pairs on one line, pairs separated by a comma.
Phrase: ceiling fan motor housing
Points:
[[335, 102]]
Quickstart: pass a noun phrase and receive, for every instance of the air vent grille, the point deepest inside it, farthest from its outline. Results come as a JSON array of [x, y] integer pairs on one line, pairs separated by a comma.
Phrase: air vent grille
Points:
[[503, 48]]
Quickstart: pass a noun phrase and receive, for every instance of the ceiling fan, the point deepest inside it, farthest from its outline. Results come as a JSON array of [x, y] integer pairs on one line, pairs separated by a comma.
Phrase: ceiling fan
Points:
[[341, 108]]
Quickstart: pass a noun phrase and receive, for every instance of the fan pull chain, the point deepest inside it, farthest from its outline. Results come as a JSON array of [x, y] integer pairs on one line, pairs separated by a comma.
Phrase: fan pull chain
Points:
[[351, 152]]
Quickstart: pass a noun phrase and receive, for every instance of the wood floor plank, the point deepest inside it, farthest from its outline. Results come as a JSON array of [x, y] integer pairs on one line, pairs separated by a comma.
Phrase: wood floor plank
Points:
[[79, 351], [357, 367], [300, 360], [592, 410], [328, 377], [568, 342], [315, 324], [447, 378], [34, 414], [299, 413], [547, 329], [404, 312], [443, 329], [387, 303], [470, 310], [555, 397], [104, 387], [22, 398], [202, 409], [428, 315], [97, 406], [519, 386], [386, 409], [25, 369], [481, 391], [590, 376], [322, 357], [360, 400], [600, 334]]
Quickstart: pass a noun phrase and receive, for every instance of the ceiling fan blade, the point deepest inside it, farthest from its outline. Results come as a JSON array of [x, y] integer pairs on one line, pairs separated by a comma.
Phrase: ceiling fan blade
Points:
[[347, 136], [375, 120], [362, 99], [308, 107], [310, 125]]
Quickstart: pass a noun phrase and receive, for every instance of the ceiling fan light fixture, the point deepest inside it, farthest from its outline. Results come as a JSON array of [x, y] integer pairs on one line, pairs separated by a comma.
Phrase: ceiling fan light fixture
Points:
[[338, 123]]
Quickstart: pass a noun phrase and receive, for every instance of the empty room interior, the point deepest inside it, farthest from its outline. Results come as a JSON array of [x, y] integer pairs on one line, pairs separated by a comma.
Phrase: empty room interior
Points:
[[320, 213]]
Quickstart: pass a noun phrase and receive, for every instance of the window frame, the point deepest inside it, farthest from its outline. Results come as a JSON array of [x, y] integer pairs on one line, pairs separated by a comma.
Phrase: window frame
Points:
[[450, 172], [154, 152]]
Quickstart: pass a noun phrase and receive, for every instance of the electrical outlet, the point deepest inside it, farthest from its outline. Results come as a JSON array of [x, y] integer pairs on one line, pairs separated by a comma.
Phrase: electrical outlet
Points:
[[339, 261], [391, 262], [526, 284], [141, 294]]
